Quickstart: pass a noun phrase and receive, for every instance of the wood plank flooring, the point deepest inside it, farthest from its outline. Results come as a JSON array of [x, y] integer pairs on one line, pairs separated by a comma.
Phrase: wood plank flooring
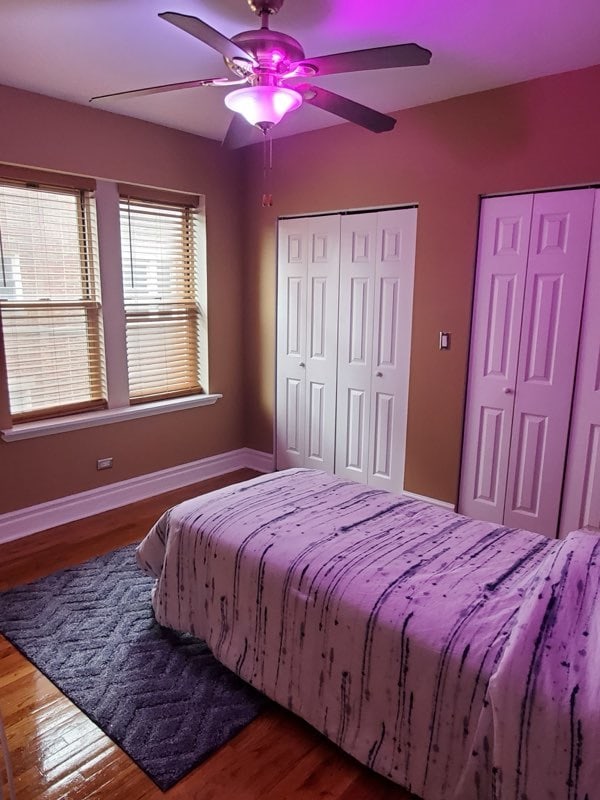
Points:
[[59, 754]]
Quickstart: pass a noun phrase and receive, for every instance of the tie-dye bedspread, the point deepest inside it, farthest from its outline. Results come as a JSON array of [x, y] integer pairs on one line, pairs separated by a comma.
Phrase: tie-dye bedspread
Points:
[[458, 658]]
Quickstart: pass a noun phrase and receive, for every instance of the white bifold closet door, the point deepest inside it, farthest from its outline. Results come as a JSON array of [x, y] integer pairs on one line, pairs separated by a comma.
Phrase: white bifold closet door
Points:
[[307, 320], [344, 319], [533, 254], [581, 502], [376, 290], [504, 231]]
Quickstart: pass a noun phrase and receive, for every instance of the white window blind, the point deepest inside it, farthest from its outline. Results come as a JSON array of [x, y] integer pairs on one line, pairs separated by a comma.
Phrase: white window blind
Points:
[[49, 301], [158, 244]]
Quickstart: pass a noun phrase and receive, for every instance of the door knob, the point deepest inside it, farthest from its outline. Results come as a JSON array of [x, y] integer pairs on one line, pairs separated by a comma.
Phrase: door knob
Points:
[[507, 390], [379, 374], [302, 364]]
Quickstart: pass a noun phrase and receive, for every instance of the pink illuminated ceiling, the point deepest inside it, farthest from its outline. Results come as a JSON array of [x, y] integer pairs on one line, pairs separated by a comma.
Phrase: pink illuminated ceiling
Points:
[[74, 49]]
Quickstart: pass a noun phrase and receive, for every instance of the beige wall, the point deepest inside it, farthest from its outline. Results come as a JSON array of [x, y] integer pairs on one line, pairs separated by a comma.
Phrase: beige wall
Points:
[[38, 131], [543, 133], [539, 134]]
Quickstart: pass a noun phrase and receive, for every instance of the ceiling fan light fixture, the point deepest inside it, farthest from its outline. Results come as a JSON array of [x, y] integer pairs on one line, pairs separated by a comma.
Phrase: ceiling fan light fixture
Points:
[[263, 106]]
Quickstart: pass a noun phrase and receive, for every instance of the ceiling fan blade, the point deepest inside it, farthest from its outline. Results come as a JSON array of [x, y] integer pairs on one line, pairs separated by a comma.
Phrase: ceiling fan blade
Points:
[[395, 55], [202, 31], [166, 87], [240, 133], [347, 109]]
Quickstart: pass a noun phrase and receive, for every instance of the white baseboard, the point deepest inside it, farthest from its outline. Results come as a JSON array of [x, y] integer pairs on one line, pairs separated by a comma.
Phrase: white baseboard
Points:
[[25, 521], [257, 460], [433, 500]]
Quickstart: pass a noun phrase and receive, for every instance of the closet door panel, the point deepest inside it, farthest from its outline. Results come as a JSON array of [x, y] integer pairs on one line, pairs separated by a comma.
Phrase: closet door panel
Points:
[[355, 351], [322, 340], [547, 354], [393, 295], [581, 503], [502, 254], [291, 343]]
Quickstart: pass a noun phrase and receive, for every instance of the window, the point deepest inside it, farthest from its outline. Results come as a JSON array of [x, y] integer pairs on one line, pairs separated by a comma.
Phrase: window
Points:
[[66, 240], [50, 301], [159, 255]]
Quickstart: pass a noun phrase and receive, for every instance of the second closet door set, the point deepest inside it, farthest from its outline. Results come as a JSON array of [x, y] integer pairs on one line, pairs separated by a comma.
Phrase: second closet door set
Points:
[[531, 279], [344, 317]]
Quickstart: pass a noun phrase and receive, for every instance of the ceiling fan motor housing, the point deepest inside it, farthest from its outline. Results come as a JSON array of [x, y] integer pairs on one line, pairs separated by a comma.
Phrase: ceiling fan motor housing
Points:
[[273, 51]]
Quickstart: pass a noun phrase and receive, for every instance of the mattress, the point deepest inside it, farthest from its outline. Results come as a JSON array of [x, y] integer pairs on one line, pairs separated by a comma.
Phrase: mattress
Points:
[[456, 657]]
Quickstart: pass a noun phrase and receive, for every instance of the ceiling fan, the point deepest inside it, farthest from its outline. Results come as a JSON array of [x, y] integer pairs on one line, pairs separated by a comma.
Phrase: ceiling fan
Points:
[[267, 61]]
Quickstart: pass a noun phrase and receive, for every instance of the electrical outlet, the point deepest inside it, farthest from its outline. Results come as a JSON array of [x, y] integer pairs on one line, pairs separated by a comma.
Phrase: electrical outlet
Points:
[[104, 463]]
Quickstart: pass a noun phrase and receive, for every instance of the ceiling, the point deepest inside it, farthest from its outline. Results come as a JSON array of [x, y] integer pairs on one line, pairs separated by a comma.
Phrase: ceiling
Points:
[[74, 49]]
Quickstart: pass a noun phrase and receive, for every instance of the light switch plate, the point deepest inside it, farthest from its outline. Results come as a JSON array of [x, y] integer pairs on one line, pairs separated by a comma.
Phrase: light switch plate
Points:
[[444, 340]]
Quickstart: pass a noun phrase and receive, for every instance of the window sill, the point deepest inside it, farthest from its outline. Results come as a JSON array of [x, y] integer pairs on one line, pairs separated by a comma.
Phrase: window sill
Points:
[[91, 419]]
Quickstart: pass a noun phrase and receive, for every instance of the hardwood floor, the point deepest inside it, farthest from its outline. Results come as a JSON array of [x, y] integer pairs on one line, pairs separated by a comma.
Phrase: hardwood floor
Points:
[[59, 754]]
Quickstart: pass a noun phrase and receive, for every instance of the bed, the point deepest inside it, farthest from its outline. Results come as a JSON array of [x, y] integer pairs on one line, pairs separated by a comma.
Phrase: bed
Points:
[[458, 658]]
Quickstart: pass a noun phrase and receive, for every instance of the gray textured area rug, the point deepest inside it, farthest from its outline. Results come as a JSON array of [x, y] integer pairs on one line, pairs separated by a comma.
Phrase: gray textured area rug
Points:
[[160, 695]]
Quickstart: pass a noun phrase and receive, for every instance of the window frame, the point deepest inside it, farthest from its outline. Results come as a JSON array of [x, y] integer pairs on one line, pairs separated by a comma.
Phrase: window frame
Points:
[[119, 406], [90, 304], [186, 307]]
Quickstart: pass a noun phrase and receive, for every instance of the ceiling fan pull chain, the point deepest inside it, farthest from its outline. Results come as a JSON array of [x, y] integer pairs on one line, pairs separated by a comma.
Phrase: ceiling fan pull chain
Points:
[[267, 198]]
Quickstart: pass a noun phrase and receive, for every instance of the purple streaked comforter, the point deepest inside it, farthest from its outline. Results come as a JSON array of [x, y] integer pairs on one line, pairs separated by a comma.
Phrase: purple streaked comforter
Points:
[[458, 658]]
